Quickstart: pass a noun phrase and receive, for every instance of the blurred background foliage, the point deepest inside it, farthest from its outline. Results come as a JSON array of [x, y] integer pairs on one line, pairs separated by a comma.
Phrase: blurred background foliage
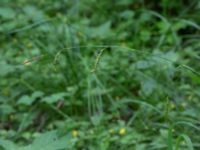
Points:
[[99, 75]]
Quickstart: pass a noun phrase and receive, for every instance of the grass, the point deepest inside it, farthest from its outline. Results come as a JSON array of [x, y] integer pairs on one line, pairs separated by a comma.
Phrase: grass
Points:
[[99, 75]]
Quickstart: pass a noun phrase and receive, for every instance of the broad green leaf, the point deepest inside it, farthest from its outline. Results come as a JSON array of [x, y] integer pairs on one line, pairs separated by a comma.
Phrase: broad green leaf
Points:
[[25, 100], [50, 141], [54, 97], [96, 119], [145, 35], [5, 68], [6, 109], [28, 100], [147, 86], [143, 64], [7, 13], [101, 31], [33, 12], [37, 94], [127, 14], [8, 145], [47, 141]]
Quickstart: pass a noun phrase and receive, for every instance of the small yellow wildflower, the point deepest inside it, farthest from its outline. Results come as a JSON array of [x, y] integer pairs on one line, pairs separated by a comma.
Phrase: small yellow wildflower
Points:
[[74, 133], [122, 131]]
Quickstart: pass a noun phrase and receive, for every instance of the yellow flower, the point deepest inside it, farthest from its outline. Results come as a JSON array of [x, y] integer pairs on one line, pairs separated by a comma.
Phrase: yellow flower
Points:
[[122, 131], [74, 133]]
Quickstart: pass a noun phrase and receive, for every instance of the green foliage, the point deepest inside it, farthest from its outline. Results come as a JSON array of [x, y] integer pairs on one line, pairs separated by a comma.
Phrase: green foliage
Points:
[[99, 75], [46, 141]]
